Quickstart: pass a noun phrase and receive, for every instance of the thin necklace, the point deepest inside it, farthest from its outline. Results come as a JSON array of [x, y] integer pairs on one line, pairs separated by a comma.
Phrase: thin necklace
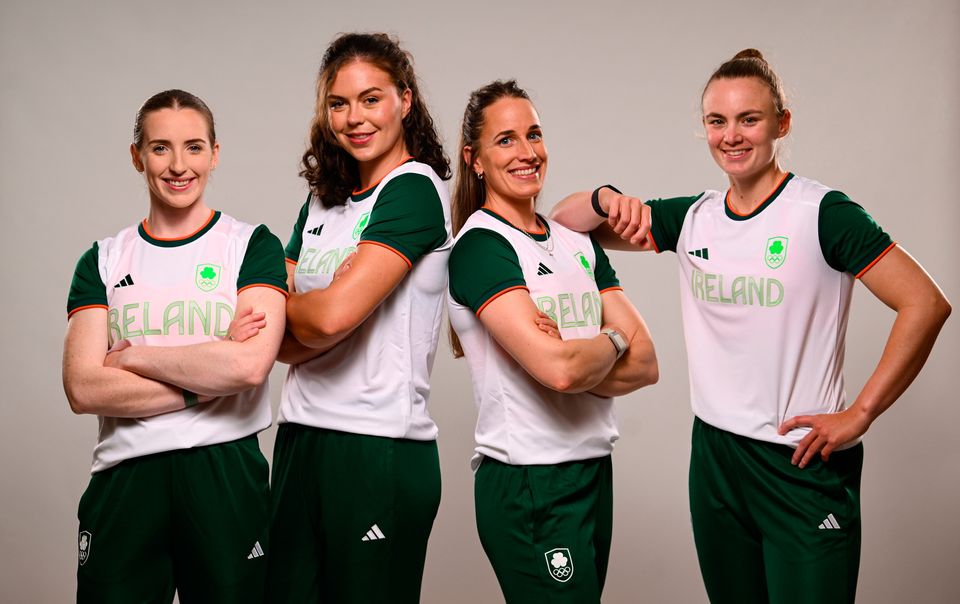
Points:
[[548, 248]]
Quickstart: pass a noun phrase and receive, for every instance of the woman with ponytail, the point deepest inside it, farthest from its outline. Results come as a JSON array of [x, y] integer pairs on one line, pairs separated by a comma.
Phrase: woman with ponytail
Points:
[[550, 338], [767, 271]]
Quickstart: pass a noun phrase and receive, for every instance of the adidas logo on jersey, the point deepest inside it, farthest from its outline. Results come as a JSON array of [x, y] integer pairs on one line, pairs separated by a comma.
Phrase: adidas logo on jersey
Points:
[[543, 270], [829, 522], [128, 280], [316, 231], [374, 534], [701, 253], [256, 552]]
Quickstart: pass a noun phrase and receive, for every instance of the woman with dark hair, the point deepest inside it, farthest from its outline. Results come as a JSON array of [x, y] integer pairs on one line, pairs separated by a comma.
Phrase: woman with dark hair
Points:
[[178, 499], [767, 271], [546, 425], [356, 474]]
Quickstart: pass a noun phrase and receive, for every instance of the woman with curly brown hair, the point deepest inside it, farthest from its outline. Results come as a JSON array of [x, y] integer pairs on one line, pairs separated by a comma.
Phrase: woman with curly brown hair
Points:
[[356, 475]]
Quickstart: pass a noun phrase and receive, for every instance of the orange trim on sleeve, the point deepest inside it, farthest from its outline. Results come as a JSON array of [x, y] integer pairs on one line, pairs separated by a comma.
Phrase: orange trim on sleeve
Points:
[[281, 290], [765, 199], [384, 245], [877, 259], [656, 248], [361, 191], [79, 308], [203, 226], [612, 289], [290, 260], [498, 294]]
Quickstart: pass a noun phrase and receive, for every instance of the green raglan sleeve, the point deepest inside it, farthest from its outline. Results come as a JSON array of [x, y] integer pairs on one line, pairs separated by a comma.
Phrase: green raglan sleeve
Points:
[[667, 217], [87, 288], [292, 251], [605, 276], [408, 217], [483, 265], [850, 240], [263, 263]]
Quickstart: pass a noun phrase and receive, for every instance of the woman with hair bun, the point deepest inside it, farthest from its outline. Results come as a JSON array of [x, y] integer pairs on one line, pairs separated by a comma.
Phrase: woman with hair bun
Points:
[[356, 475], [767, 271], [178, 500], [550, 338]]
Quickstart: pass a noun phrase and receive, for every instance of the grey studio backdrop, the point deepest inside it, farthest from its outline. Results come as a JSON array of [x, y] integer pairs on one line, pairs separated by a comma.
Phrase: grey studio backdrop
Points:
[[875, 90]]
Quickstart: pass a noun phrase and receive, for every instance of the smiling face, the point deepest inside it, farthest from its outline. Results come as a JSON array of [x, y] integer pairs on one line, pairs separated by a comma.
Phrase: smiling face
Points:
[[175, 157], [743, 127], [511, 154], [366, 112]]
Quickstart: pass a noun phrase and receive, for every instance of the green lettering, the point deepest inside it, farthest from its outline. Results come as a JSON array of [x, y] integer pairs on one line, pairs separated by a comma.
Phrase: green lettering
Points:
[[590, 305], [146, 322], [115, 335], [696, 284], [737, 291], [224, 315], [171, 318], [303, 264], [203, 315], [568, 311], [774, 287], [722, 299], [708, 287], [128, 320], [755, 288], [547, 306]]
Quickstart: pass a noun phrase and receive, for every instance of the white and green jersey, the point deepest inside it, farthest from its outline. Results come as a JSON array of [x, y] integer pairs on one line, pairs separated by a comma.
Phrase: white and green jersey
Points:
[[520, 421], [765, 299], [377, 380], [174, 292]]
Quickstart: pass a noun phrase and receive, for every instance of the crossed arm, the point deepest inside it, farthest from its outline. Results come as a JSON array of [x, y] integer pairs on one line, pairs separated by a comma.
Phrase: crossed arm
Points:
[[319, 319], [574, 365], [141, 381]]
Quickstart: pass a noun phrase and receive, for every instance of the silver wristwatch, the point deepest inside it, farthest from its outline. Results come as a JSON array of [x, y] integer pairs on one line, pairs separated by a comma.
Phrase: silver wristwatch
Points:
[[616, 338]]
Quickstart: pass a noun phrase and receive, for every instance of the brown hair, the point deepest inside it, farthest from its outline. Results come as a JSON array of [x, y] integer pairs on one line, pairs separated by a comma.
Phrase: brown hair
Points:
[[330, 171], [749, 63], [469, 192], [172, 99]]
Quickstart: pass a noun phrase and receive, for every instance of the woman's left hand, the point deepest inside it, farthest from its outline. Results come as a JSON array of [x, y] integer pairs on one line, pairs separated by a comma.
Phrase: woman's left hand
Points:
[[344, 266], [115, 354], [828, 432], [548, 325], [246, 325]]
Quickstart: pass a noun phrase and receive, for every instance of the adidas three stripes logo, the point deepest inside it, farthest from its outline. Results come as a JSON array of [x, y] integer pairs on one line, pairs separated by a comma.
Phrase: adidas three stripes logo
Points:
[[374, 534]]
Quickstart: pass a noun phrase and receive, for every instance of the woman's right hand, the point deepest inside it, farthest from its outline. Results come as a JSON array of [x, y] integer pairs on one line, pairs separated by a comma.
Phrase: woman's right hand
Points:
[[246, 325], [629, 217]]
